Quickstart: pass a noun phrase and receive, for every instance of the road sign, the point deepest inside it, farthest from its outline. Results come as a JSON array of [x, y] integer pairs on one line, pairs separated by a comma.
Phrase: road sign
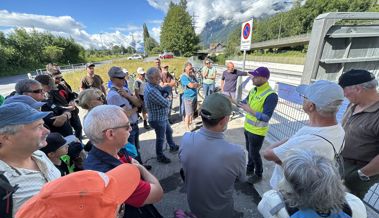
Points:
[[246, 32]]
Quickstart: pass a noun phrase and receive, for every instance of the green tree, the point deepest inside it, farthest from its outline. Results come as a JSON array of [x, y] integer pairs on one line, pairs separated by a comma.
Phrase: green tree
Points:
[[148, 42], [233, 42], [53, 53], [177, 30]]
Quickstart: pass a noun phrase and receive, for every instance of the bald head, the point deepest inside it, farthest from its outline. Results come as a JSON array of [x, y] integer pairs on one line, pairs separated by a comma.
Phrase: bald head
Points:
[[230, 66]]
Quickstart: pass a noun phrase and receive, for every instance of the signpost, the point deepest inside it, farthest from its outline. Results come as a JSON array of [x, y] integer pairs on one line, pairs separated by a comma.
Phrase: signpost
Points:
[[246, 32]]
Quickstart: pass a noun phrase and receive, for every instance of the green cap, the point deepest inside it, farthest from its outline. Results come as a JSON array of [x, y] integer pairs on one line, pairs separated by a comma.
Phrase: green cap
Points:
[[216, 106]]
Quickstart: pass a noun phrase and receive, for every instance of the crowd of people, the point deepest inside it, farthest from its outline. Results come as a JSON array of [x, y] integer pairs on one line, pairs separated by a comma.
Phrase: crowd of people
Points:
[[46, 169]]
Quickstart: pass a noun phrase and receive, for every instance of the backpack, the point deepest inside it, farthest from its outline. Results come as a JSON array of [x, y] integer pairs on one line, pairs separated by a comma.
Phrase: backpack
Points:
[[295, 212], [338, 159], [6, 196]]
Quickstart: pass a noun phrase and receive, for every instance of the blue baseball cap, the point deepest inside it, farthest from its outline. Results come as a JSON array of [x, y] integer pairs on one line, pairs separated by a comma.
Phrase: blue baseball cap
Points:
[[322, 92], [26, 100], [18, 113]]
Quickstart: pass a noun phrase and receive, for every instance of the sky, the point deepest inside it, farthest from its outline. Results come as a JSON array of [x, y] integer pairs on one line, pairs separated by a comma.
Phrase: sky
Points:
[[99, 23]]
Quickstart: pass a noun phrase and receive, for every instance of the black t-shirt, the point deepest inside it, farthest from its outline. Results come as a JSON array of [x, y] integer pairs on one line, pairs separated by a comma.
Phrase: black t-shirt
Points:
[[63, 168]]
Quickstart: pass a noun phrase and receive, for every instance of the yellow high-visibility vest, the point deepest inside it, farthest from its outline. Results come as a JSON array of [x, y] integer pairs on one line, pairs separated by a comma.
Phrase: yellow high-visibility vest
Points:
[[257, 97]]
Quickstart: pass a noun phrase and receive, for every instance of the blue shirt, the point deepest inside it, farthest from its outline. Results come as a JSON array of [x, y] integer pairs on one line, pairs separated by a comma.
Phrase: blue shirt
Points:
[[189, 93], [157, 106], [99, 160]]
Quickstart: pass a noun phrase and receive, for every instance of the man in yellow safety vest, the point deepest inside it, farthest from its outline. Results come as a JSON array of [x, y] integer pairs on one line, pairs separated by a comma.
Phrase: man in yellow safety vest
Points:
[[259, 106]]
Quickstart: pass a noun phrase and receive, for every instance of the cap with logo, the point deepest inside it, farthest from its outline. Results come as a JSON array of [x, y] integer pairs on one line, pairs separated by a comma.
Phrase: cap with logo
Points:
[[100, 197], [216, 106], [261, 71], [26, 99], [88, 65], [355, 77], [116, 72], [18, 113], [322, 92]]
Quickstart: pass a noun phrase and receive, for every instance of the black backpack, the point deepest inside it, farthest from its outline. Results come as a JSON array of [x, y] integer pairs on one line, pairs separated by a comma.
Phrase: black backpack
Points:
[[6, 194]]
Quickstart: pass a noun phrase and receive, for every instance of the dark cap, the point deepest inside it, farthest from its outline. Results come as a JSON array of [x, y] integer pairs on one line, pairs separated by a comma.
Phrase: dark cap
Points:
[[355, 77], [26, 100], [18, 113], [216, 106], [90, 65], [54, 142], [260, 71], [116, 72]]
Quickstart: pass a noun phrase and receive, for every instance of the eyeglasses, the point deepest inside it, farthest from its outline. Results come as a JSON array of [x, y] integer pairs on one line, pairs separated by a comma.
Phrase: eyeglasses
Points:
[[36, 91], [126, 126], [58, 77]]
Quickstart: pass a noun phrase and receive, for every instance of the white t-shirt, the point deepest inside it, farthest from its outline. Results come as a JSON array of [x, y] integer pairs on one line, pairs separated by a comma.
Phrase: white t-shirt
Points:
[[304, 139], [271, 199]]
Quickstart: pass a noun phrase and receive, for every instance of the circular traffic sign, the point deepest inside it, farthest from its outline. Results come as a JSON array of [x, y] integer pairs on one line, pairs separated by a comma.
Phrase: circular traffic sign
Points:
[[246, 31]]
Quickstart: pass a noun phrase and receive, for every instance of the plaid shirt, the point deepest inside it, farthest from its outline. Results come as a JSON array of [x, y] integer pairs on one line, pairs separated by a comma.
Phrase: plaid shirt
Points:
[[157, 106]]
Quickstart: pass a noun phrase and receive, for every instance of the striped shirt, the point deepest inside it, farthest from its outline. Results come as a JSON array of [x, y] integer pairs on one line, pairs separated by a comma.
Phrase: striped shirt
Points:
[[157, 106], [29, 182]]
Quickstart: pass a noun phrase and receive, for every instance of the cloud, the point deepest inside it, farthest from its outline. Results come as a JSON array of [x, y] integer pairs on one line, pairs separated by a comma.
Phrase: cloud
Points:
[[67, 26], [156, 33], [229, 10]]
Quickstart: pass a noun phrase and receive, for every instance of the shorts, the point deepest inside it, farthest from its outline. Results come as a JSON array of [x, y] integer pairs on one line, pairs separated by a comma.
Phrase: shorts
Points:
[[190, 106]]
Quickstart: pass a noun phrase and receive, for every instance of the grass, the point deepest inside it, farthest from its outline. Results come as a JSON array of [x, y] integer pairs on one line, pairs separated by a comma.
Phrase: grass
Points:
[[176, 66], [291, 57]]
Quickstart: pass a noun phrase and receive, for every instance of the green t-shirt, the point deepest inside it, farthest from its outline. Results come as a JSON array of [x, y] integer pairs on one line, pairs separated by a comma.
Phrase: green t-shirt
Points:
[[211, 73]]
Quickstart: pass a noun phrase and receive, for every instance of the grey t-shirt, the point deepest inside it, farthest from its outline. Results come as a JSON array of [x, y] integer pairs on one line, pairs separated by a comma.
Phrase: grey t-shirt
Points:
[[211, 166], [230, 79]]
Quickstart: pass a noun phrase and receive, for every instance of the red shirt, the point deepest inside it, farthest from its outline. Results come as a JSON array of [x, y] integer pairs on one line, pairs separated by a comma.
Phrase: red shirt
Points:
[[139, 195]]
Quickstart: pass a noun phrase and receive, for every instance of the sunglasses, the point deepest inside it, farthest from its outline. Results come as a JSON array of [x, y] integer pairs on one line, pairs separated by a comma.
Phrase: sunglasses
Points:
[[36, 91], [119, 78], [126, 126], [58, 77]]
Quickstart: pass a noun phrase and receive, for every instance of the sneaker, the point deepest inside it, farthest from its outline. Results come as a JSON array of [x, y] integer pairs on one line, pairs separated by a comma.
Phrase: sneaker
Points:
[[163, 159], [174, 149], [254, 179]]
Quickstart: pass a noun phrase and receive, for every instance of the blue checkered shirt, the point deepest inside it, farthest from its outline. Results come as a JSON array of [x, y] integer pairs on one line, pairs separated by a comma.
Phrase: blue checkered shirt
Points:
[[157, 106]]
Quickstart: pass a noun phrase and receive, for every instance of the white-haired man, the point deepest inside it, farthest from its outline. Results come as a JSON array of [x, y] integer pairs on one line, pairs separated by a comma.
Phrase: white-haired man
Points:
[[108, 128], [323, 135], [158, 106]]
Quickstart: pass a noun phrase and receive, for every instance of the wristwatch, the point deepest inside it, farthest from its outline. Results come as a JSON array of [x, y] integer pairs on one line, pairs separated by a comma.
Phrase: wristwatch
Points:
[[362, 176]]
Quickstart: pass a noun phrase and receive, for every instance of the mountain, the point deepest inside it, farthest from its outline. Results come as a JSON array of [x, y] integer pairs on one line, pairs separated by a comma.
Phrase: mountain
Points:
[[216, 31]]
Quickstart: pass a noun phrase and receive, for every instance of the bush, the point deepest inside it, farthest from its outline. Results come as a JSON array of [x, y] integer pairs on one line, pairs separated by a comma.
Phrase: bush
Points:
[[187, 54]]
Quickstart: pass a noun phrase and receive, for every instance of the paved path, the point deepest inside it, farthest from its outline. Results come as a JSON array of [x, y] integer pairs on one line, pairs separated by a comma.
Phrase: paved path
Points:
[[246, 197]]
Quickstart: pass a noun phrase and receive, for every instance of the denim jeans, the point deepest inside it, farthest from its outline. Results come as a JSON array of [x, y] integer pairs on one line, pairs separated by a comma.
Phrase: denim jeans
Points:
[[134, 139], [162, 129], [253, 146], [208, 89]]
